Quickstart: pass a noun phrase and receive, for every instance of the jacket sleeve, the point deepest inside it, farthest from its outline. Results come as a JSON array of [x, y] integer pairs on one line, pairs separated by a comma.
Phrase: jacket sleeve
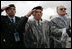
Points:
[[29, 37], [21, 24], [55, 31]]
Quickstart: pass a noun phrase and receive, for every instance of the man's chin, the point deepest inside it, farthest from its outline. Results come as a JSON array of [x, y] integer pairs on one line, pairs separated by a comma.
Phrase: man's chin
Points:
[[12, 15], [62, 14]]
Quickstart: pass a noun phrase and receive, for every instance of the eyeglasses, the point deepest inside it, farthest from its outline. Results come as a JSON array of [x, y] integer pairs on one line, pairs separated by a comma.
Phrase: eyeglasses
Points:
[[62, 9]]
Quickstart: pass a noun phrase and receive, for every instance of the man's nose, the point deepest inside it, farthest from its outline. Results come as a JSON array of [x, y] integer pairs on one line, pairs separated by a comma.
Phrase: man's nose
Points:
[[12, 10], [38, 14]]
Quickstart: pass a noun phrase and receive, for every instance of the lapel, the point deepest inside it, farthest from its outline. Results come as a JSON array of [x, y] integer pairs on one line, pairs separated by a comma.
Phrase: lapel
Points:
[[8, 20], [16, 20], [68, 22], [34, 23], [61, 22]]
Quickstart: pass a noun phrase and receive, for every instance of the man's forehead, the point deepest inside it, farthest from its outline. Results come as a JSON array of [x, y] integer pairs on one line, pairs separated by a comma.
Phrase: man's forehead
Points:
[[61, 6], [38, 10], [12, 7]]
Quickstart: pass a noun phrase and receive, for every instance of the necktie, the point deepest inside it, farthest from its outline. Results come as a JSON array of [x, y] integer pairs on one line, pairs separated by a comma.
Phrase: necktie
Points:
[[65, 21], [12, 20], [38, 23]]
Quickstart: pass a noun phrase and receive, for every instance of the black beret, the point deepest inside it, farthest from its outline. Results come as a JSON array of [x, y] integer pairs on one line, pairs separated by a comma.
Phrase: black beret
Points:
[[38, 7], [11, 5]]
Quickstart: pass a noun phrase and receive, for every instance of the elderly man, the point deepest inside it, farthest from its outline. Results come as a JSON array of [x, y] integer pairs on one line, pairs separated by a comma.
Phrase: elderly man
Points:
[[59, 25]]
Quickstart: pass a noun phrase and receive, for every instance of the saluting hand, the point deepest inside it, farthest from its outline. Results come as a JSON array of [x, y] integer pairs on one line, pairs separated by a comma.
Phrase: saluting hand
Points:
[[4, 8], [30, 13]]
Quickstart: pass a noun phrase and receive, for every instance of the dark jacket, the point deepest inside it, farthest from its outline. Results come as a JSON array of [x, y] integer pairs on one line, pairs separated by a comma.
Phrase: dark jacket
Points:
[[7, 32]]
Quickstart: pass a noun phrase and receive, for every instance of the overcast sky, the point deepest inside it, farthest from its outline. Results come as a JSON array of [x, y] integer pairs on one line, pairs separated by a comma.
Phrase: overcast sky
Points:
[[23, 7]]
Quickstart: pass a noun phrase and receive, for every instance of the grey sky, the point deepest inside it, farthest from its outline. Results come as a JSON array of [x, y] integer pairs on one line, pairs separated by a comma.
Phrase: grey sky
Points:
[[23, 7]]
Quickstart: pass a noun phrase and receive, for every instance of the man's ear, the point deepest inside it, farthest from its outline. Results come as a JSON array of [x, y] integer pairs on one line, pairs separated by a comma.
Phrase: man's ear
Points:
[[57, 11], [33, 14], [41, 13], [15, 11]]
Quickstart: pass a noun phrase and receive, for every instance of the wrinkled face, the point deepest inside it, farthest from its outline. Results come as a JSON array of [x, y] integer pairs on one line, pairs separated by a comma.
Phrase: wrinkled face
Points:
[[11, 11], [61, 10], [37, 14]]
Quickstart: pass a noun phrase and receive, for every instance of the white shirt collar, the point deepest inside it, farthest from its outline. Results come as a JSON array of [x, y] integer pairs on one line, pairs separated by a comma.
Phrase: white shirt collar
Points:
[[40, 21], [62, 17], [12, 18]]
